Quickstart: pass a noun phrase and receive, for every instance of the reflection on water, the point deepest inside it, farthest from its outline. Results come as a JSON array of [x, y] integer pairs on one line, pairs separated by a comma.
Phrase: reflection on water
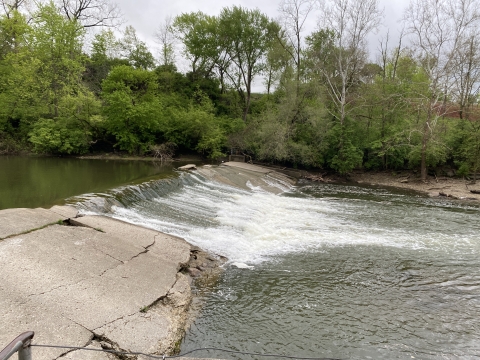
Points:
[[46, 181], [339, 271]]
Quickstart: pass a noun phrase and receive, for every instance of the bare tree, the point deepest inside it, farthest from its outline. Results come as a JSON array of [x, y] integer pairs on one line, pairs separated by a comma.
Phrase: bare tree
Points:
[[294, 13], [437, 28], [91, 13], [466, 74], [11, 5], [165, 37], [351, 21], [23, 6]]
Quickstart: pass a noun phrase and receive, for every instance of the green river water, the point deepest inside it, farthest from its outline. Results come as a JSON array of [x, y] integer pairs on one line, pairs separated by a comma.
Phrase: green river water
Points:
[[45, 181]]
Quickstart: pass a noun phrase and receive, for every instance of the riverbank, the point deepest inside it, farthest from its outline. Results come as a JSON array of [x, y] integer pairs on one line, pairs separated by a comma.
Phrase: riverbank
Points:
[[95, 282], [443, 187]]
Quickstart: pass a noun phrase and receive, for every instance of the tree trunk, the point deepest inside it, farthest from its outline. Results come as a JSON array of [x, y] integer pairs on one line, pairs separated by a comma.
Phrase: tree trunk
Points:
[[423, 163]]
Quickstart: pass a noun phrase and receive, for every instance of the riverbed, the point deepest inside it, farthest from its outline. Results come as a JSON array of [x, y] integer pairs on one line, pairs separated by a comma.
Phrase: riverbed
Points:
[[338, 271]]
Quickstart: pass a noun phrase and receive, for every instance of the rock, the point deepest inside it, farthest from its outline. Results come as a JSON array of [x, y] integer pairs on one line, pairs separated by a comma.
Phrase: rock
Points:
[[188, 167], [194, 272]]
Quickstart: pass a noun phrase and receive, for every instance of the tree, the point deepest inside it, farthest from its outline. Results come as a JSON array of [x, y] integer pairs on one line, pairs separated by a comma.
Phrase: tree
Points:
[[346, 25], [200, 37], [136, 51], [247, 36], [278, 63], [9, 7], [13, 30], [105, 53], [166, 39], [437, 28], [466, 74], [91, 13], [294, 13], [132, 110], [351, 21], [57, 43]]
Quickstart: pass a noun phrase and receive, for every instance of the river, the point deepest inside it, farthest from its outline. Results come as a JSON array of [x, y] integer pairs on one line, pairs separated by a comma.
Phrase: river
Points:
[[338, 271], [27, 181]]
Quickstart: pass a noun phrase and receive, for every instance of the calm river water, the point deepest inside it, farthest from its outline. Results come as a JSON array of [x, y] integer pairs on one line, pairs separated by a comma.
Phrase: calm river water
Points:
[[338, 271], [46, 181]]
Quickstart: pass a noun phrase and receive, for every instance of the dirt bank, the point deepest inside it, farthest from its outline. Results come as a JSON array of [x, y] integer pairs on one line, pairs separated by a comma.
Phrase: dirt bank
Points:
[[450, 187]]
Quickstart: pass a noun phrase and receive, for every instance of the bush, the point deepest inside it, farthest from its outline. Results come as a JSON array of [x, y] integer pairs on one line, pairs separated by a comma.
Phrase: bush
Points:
[[59, 137]]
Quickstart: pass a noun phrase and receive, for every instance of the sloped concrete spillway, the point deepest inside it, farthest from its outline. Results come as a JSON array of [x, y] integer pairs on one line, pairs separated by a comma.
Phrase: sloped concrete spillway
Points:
[[101, 284]]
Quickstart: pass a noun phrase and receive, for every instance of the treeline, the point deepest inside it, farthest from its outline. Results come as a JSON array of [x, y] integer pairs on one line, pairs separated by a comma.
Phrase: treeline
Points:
[[325, 104]]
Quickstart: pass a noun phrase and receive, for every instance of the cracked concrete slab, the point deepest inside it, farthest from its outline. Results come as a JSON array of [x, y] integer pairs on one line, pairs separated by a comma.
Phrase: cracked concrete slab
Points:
[[64, 282], [167, 246], [17, 317], [139, 332], [66, 211], [153, 329], [130, 233], [118, 292], [51, 258], [19, 221]]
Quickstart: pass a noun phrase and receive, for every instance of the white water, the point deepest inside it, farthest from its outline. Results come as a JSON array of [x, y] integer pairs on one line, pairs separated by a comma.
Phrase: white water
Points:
[[252, 226]]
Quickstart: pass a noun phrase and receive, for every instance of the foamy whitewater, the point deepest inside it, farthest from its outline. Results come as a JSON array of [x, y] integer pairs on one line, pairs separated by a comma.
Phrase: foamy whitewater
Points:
[[253, 226]]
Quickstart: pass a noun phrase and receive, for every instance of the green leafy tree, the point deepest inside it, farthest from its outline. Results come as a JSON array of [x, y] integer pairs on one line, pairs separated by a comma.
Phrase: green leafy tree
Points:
[[247, 37], [136, 51], [132, 110], [57, 44]]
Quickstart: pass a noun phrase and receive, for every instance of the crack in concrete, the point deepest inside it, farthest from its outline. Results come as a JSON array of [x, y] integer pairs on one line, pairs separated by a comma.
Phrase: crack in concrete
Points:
[[111, 322], [133, 257], [59, 287], [30, 231], [89, 342], [147, 249]]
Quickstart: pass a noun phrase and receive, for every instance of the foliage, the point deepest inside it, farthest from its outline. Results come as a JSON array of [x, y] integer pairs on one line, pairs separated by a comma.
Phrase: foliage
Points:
[[59, 137], [132, 111]]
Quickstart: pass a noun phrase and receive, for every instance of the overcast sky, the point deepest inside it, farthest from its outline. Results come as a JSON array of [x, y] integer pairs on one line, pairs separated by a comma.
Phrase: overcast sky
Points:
[[146, 15]]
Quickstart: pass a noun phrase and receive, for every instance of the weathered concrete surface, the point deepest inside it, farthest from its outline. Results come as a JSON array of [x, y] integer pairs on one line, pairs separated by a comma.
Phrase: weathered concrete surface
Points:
[[247, 166], [18, 221], [247, 176], [104, 280], [66, 211]]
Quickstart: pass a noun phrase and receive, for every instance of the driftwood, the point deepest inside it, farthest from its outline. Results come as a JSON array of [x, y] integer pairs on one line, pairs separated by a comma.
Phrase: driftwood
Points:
[[163, 152]]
